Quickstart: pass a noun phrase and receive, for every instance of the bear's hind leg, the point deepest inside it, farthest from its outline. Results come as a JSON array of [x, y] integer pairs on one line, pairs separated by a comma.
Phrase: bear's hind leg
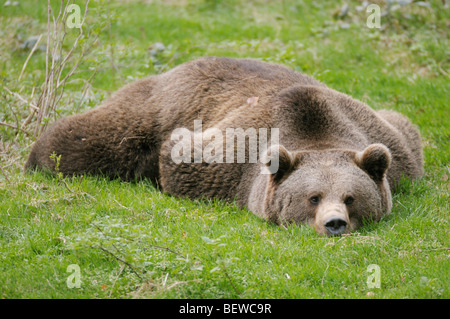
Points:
[[90, 144]]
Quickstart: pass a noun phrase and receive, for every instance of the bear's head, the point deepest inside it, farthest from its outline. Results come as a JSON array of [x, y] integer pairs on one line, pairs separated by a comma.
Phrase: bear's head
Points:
[[333, 191]]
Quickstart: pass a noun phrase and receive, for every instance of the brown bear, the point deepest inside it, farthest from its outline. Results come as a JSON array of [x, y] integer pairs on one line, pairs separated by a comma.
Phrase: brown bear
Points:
[[331, 162]]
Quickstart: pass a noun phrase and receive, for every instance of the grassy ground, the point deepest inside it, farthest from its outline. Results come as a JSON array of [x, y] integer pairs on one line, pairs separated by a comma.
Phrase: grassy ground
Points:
[[131, 241]]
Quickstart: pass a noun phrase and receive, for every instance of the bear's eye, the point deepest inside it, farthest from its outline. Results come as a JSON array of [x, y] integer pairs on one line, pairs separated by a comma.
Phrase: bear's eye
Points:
[[349, 200], [314, 200]]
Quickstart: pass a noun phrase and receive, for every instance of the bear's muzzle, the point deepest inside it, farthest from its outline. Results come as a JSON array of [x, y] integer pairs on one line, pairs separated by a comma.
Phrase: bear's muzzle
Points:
[[332, 219]]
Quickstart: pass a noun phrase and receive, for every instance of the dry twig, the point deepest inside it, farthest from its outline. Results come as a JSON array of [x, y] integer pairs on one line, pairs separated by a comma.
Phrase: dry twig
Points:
[[119, 259]]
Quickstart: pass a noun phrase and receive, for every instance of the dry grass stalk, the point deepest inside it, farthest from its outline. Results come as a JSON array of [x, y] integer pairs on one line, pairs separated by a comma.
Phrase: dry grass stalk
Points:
[[53, 87], [57, 70], [29, 56]]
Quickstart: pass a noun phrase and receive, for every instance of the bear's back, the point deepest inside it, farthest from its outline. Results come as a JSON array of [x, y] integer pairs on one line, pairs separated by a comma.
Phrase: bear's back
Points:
[[236, 71], [213, 88]]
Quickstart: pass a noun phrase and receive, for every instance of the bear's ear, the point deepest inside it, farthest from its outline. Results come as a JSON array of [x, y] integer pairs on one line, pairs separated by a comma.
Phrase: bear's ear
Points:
[[374, 160], [279, 162]]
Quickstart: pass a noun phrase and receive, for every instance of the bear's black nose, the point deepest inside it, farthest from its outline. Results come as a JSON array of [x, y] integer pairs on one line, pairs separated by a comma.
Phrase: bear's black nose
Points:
[[336, 225]]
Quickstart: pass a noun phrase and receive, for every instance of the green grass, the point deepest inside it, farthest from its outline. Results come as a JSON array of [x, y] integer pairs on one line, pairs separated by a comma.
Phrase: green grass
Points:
[[131, 241]]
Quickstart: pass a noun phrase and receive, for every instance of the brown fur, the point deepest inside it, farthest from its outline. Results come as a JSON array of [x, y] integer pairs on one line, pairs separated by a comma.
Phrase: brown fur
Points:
[[330, 144]]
